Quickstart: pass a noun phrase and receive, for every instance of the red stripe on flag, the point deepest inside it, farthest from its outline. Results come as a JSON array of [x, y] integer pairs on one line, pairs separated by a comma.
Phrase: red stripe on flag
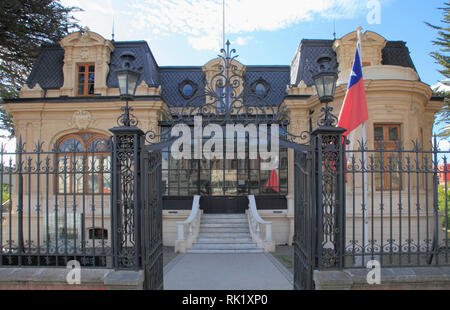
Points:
[[354, 110]]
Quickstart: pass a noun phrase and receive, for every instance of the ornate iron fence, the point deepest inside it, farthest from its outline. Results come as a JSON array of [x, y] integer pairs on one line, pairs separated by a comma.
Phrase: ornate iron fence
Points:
[[59, 205], [396, 209]]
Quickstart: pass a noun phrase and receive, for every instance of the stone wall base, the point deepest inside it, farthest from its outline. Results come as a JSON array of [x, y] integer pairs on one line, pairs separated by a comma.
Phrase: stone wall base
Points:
[[56, 279], [422, 278]]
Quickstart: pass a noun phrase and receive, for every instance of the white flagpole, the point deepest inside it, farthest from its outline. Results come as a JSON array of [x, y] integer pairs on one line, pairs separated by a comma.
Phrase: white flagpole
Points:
[[364, 140]]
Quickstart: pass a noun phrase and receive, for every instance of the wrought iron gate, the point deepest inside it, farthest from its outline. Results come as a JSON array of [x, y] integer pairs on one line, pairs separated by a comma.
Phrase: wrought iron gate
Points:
[[137, 206], [319, 204], [304, 219], [137, 175], [152, 251]]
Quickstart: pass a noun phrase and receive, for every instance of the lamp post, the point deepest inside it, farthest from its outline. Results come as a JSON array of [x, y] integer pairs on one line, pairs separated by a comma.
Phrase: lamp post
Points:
[[329, 181], [126, 180], [128, 78], [325, 81]]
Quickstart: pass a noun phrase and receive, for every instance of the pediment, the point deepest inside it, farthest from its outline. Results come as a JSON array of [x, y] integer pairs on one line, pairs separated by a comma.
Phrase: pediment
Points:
[[83, 38], [368, 37], [213, 65]]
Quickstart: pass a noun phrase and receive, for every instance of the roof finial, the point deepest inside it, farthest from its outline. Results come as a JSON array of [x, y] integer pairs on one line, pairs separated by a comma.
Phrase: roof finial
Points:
[[334, 29], [359, 29], [112, 35], [359, 33]]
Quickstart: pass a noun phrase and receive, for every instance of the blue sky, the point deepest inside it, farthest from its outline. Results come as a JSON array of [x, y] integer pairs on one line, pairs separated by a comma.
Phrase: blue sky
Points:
[[265, 32]]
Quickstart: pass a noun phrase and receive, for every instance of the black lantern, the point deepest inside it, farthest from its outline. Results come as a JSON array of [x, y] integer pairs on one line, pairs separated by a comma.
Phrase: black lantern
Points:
[[325, 79], [128, 78]]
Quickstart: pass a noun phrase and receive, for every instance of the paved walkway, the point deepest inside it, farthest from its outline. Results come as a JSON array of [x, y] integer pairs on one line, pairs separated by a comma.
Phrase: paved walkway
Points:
[[226, 272]]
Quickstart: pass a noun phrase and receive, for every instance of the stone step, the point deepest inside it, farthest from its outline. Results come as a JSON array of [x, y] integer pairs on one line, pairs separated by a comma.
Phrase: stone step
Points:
[[224, 233], [221, 235], [224, 230], [224, 240], [224, 216], [225, 246], [217, 251], [224, 220], [223, 225]]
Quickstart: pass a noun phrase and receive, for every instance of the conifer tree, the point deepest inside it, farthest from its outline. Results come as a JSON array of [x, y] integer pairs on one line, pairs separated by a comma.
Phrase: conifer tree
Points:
[[24, 26], [442, 57]]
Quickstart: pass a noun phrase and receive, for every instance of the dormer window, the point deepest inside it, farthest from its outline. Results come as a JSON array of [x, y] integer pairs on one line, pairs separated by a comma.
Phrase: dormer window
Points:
[[187, 89], [85, 79], [260, 88]]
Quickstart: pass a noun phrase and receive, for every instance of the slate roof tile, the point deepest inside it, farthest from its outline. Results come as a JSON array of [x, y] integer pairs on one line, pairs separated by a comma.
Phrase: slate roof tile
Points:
[[48, 69], [144, 59]]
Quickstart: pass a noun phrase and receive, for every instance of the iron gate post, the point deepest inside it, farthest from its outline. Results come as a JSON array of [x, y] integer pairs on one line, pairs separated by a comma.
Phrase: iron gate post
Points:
[[126, 197], [328, 180]]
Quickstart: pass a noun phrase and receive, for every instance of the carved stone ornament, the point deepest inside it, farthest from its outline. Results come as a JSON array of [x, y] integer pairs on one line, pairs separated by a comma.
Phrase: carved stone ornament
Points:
[[297, 126], [81, 120], [85, 34], [84, 54]]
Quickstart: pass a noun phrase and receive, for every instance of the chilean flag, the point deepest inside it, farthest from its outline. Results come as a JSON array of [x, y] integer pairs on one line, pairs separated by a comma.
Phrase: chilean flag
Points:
[[354, 110]]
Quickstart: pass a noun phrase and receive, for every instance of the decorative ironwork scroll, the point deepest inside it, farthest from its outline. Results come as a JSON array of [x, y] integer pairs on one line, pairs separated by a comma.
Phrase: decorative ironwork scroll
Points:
[[126, 196], [228, 98], [328, 143]]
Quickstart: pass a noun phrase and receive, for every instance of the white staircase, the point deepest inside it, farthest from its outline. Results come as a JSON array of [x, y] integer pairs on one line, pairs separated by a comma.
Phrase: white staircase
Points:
[[224, 233]]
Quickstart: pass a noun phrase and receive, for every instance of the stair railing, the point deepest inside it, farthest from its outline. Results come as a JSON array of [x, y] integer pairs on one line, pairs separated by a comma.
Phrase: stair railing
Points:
[[260, 230], [189, 229]]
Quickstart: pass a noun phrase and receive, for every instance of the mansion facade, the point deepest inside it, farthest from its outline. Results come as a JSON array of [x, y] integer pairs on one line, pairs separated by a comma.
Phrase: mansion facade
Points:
[[72, 98]]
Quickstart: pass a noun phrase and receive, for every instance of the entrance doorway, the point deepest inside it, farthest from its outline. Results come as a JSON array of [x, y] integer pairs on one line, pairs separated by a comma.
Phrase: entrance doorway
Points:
[[224, 204], [223, 184]]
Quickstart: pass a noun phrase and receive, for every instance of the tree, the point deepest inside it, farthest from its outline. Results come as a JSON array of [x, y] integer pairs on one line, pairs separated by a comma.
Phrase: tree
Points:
[[24, 26], [442, 57], [443, 117]]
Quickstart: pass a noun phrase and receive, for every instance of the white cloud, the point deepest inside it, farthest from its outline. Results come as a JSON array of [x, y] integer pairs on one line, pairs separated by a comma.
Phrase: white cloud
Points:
[[444, 145], [8, 146], [443, 86], [201, 20], [242, 40], [97, 15]]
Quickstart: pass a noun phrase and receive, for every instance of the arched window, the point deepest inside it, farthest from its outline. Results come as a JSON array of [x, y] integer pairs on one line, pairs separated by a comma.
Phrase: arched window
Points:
[[84, 164]]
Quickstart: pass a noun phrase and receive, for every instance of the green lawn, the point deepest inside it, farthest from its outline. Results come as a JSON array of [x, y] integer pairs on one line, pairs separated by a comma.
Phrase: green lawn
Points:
[[441, 199], [5, 198]]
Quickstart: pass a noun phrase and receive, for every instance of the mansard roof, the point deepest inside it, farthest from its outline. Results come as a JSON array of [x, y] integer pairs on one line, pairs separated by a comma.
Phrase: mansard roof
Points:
[[172, 77], [276, 77], [306, 57], [48, 69], [144, 59], [395, 53]]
